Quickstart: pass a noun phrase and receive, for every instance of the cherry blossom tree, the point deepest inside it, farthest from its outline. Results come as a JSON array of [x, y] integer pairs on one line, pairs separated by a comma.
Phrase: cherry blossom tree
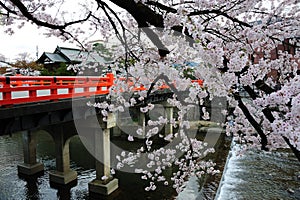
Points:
[[3, 60], [239, 45]]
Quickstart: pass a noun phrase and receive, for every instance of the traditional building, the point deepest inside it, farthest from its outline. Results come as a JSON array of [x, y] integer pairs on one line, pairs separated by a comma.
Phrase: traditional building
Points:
[[69, 56]]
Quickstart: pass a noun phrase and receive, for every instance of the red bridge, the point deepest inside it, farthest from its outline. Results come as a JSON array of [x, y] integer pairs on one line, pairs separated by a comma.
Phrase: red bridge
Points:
[[29, 89], [47, 103]]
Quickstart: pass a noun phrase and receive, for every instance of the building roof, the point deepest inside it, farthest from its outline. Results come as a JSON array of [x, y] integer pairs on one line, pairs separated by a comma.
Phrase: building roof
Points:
[[51, 58], [70, 56]]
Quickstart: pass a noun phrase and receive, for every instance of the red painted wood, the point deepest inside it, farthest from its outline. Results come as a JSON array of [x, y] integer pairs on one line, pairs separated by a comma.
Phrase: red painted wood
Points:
[[31, 85]]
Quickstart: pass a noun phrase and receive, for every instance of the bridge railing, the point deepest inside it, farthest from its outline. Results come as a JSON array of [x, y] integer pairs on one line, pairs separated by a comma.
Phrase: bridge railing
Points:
[[27, 89]]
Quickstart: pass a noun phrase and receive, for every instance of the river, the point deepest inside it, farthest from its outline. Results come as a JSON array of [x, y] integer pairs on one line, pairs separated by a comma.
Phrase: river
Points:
[[254, 176], [261, 176], [13, 187]]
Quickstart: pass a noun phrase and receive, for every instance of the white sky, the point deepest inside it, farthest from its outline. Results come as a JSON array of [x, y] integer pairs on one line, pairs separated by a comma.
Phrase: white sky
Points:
[[29, 37], [26, 40]]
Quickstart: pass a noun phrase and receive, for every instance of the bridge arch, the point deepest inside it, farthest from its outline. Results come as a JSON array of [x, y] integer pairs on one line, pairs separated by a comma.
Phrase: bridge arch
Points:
[[45, 144], [62, 135]]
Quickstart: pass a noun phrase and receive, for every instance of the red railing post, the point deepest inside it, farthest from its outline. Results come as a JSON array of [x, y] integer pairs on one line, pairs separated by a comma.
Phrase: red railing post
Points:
[[32, 94], [86, 87], [98, 87], [53, 88], [6, 94], [110, 77], [71, 90]]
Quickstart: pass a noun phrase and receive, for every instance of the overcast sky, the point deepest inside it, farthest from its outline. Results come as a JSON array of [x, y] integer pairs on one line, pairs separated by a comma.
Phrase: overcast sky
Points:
[[27, 40], [29, 37]]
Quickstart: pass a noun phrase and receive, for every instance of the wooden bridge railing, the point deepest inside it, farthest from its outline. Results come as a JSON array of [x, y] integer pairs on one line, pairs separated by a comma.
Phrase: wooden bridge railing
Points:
[[49, 88], [42, 88]]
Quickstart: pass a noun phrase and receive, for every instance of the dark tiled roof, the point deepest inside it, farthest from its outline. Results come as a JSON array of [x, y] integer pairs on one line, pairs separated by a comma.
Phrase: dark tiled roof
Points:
[[55, 57], [70, 56]]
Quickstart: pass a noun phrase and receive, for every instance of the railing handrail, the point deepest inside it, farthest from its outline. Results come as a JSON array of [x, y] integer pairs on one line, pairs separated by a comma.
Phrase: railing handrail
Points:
[[33, 84]]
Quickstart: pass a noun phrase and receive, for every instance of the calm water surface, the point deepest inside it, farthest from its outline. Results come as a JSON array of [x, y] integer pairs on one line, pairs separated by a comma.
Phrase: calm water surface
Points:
[[13, 187], [255, 176]]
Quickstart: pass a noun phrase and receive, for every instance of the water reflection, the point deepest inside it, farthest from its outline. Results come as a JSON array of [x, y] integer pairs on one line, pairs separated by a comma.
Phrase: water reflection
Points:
[[255, 176], [13, 186], [64, 191], [31, 186]]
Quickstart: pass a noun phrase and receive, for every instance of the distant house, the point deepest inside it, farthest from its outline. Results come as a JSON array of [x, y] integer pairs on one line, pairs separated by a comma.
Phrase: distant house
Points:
[[69, 56], [290, 45]]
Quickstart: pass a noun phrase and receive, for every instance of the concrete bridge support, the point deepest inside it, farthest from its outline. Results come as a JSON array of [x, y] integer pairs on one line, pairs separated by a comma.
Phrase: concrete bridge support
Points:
[[63, 174], [30, 165], [104, 184], [117, 132], [168, 113], [142, 122], [169, 110]]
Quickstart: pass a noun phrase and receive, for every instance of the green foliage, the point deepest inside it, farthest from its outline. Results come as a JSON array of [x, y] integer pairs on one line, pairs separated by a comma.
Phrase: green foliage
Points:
[[102, 51], [61, 70], [189, 73]]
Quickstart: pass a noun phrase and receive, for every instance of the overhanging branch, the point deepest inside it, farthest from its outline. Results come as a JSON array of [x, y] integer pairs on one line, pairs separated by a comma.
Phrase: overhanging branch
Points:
[[2, 61], [252, 121], [38, 22]]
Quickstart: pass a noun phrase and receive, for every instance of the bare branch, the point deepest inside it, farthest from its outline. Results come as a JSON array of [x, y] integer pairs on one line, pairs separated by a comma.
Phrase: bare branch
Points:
[[219, 12], [8, 63], [161, 6], [7, 9], [38, 22]]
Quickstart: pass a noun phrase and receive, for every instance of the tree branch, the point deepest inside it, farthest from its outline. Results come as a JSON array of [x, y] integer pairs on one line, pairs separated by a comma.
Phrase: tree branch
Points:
[[250, 118], [38, 22], [294, 149], [260, 84], [141, 13], [161, 6], [7, 9], [219, 12], [8, 63]]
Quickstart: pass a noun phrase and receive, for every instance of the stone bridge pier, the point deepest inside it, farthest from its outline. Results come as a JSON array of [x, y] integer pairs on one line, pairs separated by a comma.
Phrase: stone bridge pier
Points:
[[92, 129], [63, 174], [98, 134], [30, 165], [104, 183]]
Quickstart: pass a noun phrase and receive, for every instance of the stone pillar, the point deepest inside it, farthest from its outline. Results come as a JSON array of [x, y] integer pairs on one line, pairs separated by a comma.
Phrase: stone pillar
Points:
[[104, 184], [169, 116], [63, 174], [217, 105], [30, 165], [117, 132], [101, 185], [142, 123]]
